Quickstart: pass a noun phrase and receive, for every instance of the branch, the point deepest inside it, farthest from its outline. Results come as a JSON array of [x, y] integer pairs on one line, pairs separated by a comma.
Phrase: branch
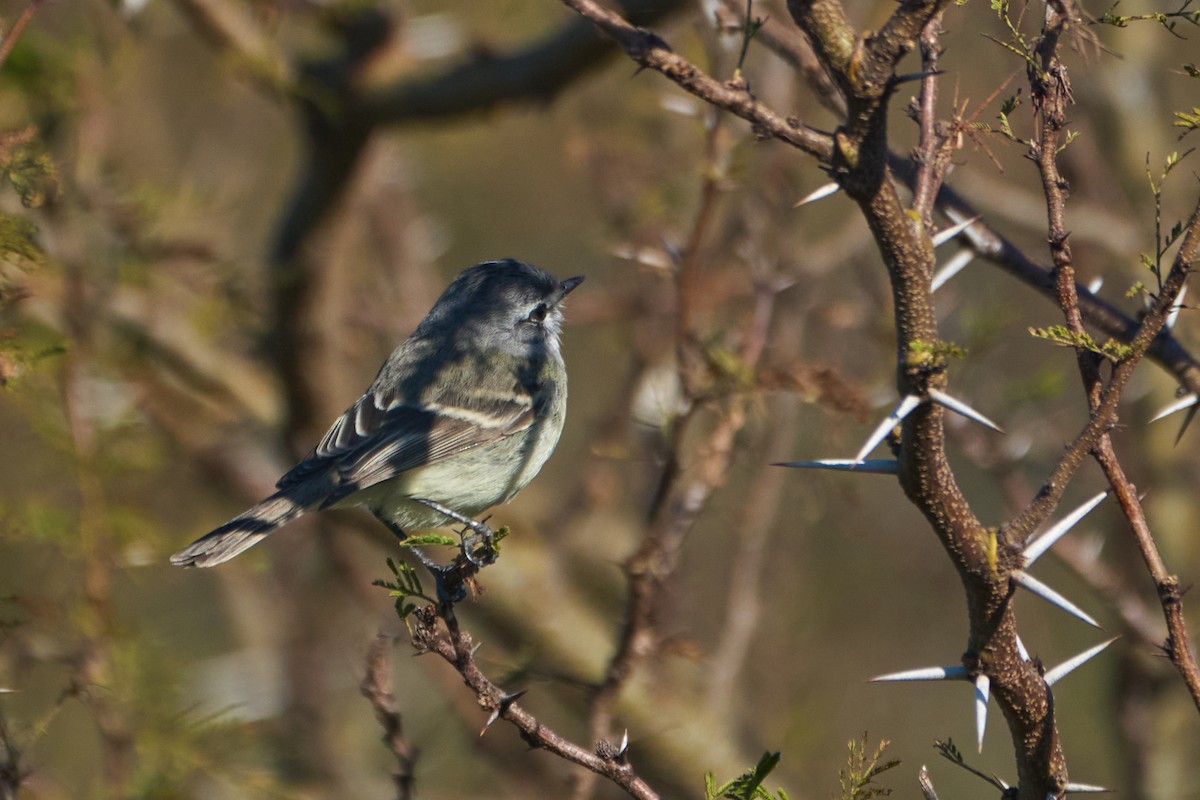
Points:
[[376, 686], [14, 33], [924, 473], [1178, 646], [932, 155], [537, 72], [231, 28], [651, 52], [456, 647], [986, 241]]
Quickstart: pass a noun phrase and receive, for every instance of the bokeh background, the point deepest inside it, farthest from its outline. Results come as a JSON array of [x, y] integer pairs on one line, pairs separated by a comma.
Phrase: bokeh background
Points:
[[182, 326]]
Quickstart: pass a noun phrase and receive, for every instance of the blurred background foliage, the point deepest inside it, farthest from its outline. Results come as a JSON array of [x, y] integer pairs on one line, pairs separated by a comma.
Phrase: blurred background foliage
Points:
[[159, 372]]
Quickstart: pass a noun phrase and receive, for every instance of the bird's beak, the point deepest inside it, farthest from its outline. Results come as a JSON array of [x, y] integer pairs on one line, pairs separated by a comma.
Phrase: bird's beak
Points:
[[565, 289]]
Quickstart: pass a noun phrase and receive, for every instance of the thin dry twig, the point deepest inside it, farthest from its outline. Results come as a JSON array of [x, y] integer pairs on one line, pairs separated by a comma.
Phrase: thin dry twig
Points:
[[14, 33], [680, 497], [932, 156], [376, 686], [1051, 94], [647, 49]]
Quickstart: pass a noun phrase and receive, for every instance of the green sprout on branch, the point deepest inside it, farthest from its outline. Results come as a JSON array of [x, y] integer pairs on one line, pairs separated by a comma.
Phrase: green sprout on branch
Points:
[[404, 588], [753, 26], [1111, 349], [1017, 43], [748, 785], [858, 778], [1188, 120], [1162, 243], [933, 355], [948, 751], [1007, 107], [1168, 19]]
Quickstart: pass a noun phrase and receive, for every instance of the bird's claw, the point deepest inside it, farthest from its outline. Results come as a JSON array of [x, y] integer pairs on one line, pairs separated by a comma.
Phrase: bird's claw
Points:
[[479, 545], [478, 538]]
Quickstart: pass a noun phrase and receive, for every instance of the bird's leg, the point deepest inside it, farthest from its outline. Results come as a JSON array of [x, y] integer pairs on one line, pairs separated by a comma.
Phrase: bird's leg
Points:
[[447, 578], [481, 534]]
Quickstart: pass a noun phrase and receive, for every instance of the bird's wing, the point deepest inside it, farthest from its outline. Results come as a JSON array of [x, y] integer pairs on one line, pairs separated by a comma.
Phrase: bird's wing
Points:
[[378, 438]]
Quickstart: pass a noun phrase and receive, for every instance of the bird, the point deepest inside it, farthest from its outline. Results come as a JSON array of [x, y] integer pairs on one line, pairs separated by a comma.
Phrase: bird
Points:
[[461, 417]]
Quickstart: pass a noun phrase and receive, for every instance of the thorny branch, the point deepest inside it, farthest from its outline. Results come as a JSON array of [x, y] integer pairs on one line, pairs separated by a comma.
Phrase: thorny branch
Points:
[[456, 647], [988, 243], [863, 70], [1051, 91], [650, 51]]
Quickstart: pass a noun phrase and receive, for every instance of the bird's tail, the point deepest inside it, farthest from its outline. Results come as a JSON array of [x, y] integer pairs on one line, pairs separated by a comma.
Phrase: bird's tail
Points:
[[240, 533]]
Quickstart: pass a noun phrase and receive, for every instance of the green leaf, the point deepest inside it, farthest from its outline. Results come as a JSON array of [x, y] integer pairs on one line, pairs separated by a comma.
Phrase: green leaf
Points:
[[748, 785], [31, 173], [1111, 349], [430, 539], [858, 778]]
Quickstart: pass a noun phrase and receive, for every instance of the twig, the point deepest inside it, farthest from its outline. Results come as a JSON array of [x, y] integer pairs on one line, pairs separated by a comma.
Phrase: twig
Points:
[[651, 52], [14, 33], [231, 27], [1051, 93], [789, 44], [456, 647], [536, 73], [376, 686], [930, 148], [1178, 647]]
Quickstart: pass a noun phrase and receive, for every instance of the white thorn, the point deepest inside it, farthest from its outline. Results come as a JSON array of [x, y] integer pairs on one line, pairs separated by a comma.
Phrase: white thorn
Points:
[[1187, 401], [943, 236], [893, 419], [1095, 285], [878, 466], [819, 193], [952, 268], [983, 685], [1174, 314], [955, 673], [1055, 532], [646, 256], [1083, 788], [1046, 593], [1064, 669], [959, 407], [1021, 649], [926, 783], [624, 743]]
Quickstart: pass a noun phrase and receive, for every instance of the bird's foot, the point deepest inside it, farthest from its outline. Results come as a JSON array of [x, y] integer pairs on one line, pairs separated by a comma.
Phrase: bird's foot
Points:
[[451, 581], [478, 538]]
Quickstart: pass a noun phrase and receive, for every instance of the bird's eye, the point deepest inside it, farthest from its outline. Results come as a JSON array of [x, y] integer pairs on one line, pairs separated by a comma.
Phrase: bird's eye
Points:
[[538, 315]]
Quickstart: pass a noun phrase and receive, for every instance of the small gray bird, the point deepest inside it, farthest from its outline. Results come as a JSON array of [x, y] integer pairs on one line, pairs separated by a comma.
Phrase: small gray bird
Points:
[[460, 418]]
